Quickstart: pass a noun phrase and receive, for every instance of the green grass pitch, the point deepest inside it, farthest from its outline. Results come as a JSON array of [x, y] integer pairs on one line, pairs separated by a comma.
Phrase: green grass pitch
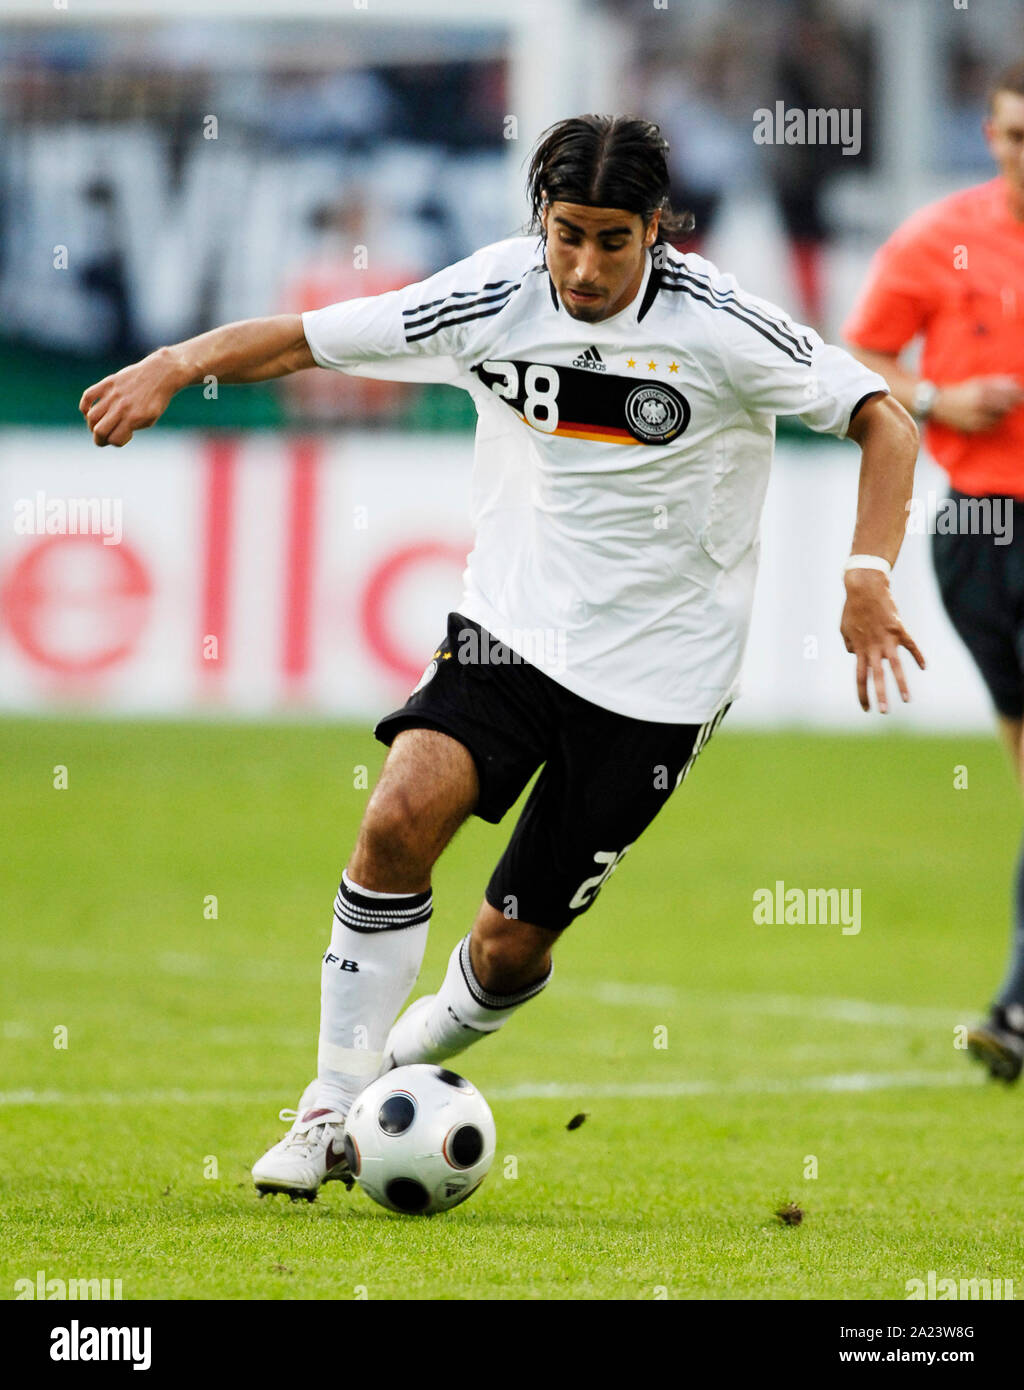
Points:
[[126, 1153]]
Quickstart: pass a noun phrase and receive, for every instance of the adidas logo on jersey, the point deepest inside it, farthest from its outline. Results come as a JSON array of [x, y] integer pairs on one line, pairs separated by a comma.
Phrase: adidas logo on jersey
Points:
[[590, 360]]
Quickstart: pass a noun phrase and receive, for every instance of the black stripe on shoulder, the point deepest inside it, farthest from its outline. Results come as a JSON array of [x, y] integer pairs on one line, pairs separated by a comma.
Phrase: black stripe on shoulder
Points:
[[784, 325], [784, 328], [456, 294], [450, 323], [449, 308], [776, 330], [799, 355]]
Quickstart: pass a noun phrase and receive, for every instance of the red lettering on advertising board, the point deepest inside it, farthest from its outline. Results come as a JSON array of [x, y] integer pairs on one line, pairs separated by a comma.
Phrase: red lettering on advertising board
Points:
[[375, 610], [76, 606]]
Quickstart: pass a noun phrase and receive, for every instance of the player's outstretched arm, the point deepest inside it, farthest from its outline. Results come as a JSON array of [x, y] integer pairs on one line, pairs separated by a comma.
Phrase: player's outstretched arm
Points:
[[871, 627], [135, 397]]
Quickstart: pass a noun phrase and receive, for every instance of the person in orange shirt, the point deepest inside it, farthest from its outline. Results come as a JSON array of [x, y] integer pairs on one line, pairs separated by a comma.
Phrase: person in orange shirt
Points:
[[330, 275], [953, 275]]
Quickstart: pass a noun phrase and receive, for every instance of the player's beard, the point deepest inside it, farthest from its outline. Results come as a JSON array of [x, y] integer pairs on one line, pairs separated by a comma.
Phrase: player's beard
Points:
[[585, 313]]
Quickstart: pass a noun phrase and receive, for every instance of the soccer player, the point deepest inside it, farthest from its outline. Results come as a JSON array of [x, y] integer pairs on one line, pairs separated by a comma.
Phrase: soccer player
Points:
[[627, 397], [953, 276]]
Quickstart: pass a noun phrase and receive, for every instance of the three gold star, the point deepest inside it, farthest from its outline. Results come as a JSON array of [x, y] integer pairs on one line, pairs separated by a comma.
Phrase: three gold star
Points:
[[652, 366]]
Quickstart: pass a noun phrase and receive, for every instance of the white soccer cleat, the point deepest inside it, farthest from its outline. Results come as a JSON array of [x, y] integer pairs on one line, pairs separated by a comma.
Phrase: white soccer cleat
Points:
[[311, 1153]]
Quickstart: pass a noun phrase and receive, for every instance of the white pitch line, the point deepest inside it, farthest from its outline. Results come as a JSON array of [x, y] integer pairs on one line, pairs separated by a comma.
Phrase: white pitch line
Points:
[[840, 1083], [861, 1011], [612, 993], [173, 1096], [84, 960]]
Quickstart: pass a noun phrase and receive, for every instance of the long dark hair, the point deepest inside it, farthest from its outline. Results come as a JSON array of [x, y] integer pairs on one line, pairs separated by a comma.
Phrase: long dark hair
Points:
[[605, 162]]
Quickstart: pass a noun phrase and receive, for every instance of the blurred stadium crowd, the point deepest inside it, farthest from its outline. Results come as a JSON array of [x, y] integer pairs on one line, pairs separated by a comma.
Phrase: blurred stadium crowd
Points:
[[199, 172]]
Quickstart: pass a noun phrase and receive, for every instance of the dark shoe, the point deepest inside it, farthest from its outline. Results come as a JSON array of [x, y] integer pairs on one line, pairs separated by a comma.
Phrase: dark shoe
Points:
[[997, 1046]]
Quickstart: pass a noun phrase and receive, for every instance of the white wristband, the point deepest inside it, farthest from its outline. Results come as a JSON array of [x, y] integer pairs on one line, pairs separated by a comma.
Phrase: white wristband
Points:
[[868, 562]]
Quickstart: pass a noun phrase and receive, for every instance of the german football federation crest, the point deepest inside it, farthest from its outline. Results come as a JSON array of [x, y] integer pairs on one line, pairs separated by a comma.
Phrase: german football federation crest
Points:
[[426, 678], [656, 414]]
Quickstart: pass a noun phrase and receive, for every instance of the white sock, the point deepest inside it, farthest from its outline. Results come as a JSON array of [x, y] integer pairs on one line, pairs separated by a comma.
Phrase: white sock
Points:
[[375, 954], [460, 1014]]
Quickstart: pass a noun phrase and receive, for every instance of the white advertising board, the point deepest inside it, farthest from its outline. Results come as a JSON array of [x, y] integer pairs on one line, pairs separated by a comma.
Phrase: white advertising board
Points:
[[256, 575]]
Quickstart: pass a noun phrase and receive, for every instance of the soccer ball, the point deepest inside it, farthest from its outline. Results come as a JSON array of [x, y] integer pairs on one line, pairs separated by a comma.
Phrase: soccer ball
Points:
[[420, 1139]]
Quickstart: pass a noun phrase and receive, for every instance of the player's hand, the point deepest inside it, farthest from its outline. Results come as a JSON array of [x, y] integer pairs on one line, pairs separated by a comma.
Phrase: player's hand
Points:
[[977, 404], [132, 399], [873, 631]]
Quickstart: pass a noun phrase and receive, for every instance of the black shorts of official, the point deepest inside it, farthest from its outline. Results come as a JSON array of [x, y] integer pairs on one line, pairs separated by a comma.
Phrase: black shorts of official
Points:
[[982, 588], [605, 776]]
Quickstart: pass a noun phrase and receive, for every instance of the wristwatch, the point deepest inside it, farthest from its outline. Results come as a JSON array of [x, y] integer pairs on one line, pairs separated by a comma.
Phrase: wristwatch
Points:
[[924, 398]]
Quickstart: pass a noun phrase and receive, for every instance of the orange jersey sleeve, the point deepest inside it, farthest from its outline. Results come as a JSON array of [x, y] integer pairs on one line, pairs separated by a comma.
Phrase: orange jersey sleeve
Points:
[[900, 294]]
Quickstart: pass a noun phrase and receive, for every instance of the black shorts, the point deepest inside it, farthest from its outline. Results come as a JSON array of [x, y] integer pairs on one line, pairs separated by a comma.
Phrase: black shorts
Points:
[[605, 776], [982, 588]]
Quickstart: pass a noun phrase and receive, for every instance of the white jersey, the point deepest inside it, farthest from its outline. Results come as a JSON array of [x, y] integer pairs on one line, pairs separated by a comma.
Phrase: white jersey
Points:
[[620, 467]]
